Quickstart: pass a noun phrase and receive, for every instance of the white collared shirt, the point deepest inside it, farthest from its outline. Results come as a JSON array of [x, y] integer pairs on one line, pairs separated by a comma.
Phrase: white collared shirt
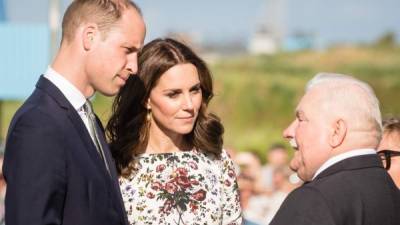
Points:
[[343, 156], [71, 93]]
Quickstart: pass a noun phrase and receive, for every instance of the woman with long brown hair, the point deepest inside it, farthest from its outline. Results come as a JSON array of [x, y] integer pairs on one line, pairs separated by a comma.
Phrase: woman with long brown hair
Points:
[[167, 146]]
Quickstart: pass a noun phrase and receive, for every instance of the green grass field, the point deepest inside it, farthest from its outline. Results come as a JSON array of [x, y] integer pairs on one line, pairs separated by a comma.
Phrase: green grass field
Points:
[[256, 95]]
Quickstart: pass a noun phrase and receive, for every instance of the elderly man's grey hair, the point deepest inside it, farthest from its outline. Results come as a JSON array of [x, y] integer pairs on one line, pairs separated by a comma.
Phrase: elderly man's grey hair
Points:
[[352, 99]]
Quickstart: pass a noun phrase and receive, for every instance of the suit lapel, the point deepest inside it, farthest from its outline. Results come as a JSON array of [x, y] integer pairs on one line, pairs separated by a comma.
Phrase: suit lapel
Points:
[[48, 87], [111, 166], [353, 163], [87, 140]]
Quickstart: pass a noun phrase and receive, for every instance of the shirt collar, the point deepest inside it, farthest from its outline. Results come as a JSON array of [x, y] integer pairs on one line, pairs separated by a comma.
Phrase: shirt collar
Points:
[[73, 95], [343, 156]]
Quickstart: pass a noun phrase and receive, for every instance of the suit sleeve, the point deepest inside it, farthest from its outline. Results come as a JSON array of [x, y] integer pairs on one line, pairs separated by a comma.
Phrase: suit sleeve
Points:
[[35, 171], [304, 206]]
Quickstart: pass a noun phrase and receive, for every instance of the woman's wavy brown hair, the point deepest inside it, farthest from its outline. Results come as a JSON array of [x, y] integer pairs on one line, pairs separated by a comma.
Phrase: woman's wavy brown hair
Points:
[[128, 128]]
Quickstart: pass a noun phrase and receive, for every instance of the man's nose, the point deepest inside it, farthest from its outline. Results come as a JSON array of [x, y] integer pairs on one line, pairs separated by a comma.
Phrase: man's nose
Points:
[[288, 133], [132, 64]]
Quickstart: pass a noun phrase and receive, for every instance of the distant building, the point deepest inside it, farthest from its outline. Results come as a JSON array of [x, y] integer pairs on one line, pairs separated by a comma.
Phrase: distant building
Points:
[[299, 41], [263, 42], [268, 37]]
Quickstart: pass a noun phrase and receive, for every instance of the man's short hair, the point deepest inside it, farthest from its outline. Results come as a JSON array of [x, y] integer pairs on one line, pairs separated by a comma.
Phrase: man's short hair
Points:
[[105, 13], [354, 99]]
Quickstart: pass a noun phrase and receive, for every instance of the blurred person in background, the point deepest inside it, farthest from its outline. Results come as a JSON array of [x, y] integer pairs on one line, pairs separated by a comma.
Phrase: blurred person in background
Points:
[[251, 197], [247, 192], [57, 164], [282, 187], [335, 134], [259, 207], [277, 156], [389, 148], [167, 146], [249, 163]]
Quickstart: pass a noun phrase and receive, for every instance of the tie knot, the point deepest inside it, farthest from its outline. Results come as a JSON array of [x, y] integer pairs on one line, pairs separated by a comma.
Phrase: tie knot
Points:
[[88, 107]]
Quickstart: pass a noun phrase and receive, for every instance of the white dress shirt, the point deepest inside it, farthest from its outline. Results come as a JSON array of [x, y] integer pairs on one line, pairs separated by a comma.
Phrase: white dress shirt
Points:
[[343, 156], [71, 93]]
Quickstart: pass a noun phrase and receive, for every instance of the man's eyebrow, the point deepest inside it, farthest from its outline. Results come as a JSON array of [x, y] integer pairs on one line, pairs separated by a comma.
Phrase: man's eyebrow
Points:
[[132, 48], [299, 113]]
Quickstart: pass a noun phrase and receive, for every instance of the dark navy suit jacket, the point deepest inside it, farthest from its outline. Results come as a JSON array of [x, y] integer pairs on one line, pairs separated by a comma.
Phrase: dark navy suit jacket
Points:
[[53, 171], [355, 191]]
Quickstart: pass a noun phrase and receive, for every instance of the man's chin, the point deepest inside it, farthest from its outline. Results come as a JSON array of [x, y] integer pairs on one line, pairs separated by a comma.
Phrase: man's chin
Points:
[[303, 177], [296, 162], [109, 93], [295, 166]]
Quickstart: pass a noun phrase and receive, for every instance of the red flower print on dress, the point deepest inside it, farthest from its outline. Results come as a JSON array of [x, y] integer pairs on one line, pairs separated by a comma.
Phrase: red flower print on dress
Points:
[[199, 195], [193, 207], [231, 173], [156, 186], [183, 181], [160, 168], [193, 165], [181, 189], [150, 195], [182, 171], [171, 187]]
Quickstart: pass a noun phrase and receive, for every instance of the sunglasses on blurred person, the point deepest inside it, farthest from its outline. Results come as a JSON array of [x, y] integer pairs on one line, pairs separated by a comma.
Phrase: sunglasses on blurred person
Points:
[[386, 156]]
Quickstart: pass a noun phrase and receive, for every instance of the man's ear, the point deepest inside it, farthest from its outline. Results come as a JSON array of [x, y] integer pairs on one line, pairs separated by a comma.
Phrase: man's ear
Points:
[[339, 133], [89, 35]]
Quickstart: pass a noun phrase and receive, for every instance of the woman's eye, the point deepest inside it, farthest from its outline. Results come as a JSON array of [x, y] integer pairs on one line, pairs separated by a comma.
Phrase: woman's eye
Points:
[[172, 95], [196, 90]]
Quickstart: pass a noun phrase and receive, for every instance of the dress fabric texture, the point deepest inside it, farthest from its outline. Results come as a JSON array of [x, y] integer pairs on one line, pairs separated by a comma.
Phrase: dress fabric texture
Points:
[[189, 187]]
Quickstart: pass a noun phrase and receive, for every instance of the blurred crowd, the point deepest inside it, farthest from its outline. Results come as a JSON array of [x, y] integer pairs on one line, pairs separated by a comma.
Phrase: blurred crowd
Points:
[[263, 187]]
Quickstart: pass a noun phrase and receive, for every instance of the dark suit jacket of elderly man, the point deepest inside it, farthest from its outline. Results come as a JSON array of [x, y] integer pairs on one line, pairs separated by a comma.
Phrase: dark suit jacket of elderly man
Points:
[[53, 171], [355, 191]]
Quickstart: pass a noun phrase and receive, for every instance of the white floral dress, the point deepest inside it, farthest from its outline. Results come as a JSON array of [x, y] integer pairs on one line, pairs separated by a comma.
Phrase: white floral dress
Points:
[[182, 188]]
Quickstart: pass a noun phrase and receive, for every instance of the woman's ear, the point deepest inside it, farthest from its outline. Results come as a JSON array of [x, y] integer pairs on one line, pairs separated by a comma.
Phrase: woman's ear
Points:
[[339, 133]]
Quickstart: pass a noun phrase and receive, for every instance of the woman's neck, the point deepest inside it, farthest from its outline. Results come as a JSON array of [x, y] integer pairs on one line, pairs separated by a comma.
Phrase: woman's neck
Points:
[[162, 142]]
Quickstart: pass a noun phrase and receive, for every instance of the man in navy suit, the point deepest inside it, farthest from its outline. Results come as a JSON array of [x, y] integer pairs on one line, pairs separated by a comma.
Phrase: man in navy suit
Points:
[[57, 164], [335, 134]]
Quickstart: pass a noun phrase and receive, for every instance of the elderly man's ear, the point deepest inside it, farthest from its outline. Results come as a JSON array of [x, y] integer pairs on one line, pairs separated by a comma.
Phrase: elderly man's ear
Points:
[[339, 131]]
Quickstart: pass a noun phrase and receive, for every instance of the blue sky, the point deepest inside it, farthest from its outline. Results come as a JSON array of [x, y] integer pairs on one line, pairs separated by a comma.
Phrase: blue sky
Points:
[[227, 20]]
